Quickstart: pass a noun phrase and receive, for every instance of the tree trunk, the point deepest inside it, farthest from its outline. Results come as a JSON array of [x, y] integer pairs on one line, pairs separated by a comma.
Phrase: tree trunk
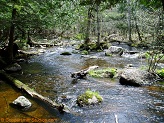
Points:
[[137, 28], [98, 27], [11, 37], [87, 40], [129, 21]]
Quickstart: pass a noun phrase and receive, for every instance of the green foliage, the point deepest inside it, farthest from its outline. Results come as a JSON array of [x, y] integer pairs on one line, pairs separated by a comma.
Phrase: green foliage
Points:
[[153, 57], [107, 72], [115, 16], [160, 73], [152, 3], [79, 36], [84, 52], [92, 46], [21, 44], [84, 98], [121, 26]]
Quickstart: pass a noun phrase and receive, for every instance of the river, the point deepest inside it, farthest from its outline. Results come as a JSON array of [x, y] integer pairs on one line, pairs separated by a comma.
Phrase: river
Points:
[[49, 74]]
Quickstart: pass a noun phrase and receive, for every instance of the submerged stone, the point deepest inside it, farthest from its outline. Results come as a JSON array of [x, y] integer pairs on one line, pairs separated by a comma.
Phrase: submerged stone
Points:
[[22, 102]]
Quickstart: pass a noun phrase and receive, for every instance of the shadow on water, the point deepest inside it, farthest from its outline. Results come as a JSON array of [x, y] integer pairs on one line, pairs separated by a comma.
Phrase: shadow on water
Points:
[[49, 74]]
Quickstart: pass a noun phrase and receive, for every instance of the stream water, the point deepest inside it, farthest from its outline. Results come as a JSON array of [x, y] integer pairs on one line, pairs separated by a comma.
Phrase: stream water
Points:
[[49, 74]]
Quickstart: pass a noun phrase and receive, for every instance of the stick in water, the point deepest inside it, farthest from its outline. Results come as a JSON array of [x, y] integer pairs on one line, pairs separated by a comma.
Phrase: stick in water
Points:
[[116, 119]]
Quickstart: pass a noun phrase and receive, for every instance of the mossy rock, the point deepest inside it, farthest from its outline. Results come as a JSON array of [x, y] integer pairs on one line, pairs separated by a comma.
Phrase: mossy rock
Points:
[[93, 46], [65, 53], [106, 73], [89, 98], [108, 54]]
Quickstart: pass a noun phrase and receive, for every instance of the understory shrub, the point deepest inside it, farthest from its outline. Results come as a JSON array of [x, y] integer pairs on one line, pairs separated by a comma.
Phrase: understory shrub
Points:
[[160, 73]]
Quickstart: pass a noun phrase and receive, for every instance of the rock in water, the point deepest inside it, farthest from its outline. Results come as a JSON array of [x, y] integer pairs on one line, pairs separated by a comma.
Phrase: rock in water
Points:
[[89, 98], [93, 100], [13, 68], [114, 50], [22, 102], [65, 53], [136, 77]]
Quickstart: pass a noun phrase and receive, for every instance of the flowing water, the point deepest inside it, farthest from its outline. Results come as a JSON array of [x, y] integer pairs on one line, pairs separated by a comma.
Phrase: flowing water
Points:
[[49, 74]]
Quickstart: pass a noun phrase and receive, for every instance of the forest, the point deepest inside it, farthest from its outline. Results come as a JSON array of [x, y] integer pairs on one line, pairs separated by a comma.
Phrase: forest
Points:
[[109, 50]]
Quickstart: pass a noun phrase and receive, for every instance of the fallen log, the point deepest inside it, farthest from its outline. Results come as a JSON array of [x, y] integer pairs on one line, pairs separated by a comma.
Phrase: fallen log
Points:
[[37, 44], [82, 73], [18, 84]]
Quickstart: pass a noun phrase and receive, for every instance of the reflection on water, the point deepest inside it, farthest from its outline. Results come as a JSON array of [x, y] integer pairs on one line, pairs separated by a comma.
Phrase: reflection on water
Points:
[[10, 114], [49, 74]]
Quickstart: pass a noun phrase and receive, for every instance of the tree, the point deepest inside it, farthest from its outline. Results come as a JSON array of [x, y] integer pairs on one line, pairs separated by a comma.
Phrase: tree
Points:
[[25, 16], [95, 5], [129, 21], [11, 36]]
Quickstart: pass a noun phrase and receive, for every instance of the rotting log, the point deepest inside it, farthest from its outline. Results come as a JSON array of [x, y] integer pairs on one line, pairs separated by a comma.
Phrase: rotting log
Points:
[[82, 73], [18, 84]]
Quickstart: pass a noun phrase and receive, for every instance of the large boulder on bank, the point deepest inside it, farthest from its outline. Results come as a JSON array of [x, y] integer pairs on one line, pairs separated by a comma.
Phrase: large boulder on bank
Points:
[[22, 102], [136, 77], [114, 50], [13, 68]]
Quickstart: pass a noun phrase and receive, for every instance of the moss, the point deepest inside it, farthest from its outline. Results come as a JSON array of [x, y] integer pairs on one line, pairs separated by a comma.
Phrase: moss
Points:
[[84, 98], [160, 73], [107, 72], [93, 46]]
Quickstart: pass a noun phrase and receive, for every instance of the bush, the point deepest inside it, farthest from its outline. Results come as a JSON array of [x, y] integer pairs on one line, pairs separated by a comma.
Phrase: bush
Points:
[[85, 98], [160, 73], [79, 36]]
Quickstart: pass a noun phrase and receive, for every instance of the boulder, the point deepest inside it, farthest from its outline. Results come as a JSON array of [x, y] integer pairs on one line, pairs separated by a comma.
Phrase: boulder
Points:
[[13, 68], [89, 98], [114, 50], [22, 102], [66, 53], [136, 77]]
